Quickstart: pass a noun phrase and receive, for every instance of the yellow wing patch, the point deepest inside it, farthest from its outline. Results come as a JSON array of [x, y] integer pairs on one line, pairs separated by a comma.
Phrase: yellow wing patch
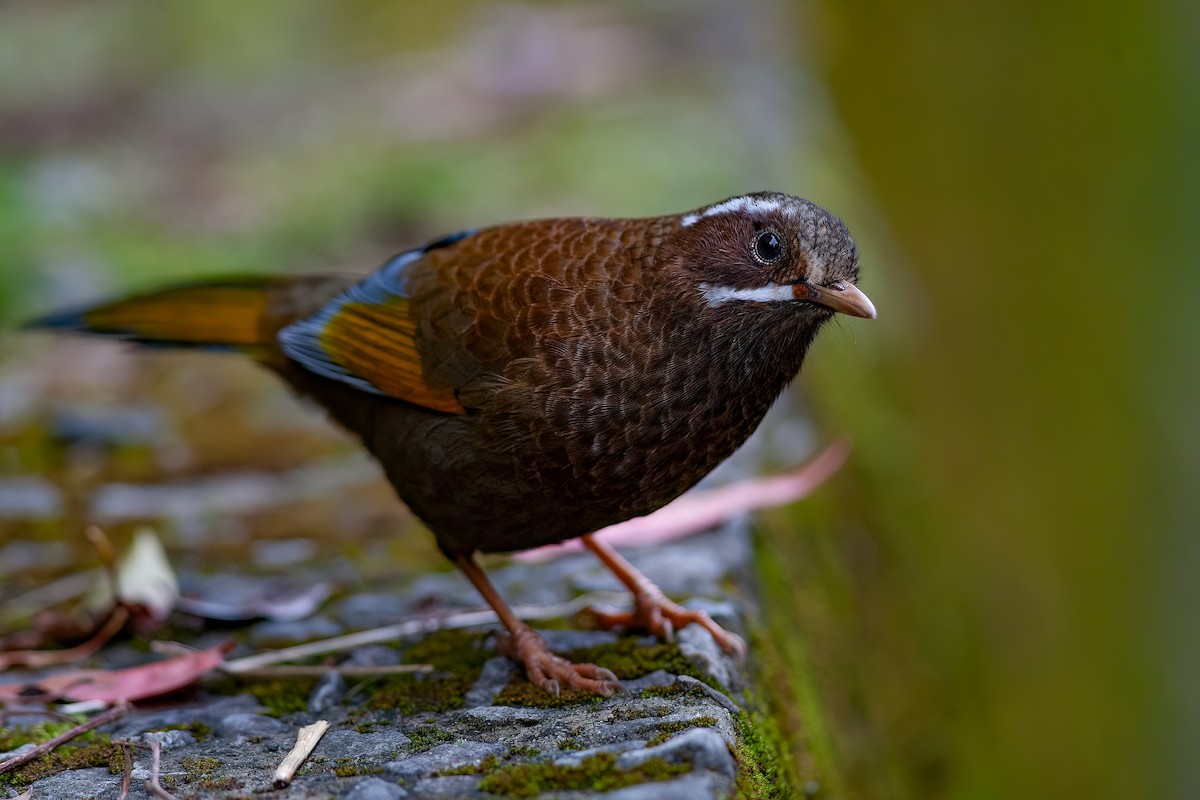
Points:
[[376, 343]]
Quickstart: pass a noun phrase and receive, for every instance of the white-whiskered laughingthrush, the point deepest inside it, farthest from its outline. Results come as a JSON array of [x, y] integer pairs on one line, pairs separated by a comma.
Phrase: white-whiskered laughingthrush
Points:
[[537, 381]]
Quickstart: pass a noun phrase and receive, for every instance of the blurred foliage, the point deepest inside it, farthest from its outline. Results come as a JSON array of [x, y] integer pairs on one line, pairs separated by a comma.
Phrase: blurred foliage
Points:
[[1009, 548], [991, 596]]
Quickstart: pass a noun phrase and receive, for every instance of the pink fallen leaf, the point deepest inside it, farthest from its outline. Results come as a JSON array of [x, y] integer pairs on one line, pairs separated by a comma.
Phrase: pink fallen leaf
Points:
[[700, 511], [111, 686]]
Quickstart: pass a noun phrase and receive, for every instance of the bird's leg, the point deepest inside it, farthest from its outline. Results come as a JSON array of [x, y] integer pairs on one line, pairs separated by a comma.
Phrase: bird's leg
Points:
[[652, 610], [526, 645]]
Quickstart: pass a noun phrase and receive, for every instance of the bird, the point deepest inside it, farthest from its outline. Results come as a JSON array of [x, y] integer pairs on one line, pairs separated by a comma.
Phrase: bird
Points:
[[532, 382]]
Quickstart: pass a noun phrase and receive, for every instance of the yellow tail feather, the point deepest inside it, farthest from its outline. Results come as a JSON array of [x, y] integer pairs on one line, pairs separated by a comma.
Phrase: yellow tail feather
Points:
[[225, 314]]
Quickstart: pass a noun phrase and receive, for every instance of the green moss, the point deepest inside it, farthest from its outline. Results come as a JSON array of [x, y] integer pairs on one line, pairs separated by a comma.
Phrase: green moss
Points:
[[669, 729], [632, 657], [279, 696], [449, 651], [226, 784], [89, 750], [199, 772], [629, 657], [764, 773], [369, 726], [630, 713], [283, 696], [349, 768], [523, 750], [458, 658], [484, 767], [598, 773], [200, 764], [428, 736], [520, 692], [674, 690], [791, 733], [413, 694], [571, 744], [456, 655]]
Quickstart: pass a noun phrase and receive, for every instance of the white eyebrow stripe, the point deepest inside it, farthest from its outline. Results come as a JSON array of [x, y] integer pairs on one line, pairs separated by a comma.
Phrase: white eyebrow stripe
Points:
[[732, 206], [772, 292]]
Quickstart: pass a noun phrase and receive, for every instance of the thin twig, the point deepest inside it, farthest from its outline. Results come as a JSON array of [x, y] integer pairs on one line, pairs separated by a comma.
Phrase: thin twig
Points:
[[50, 658], [152, 785], [114, 713], [467, 619], [125, 782], [319, 671], [306, 741]]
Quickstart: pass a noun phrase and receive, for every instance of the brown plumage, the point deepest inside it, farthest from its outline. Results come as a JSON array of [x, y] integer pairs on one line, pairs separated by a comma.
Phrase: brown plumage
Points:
[[534, 382]]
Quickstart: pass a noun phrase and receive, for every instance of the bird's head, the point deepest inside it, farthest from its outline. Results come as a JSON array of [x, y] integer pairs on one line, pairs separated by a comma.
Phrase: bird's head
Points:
[[771, 250]]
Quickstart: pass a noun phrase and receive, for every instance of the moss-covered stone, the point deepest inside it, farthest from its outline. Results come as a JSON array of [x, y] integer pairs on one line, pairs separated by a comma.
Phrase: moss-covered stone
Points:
[[449, 651], [282, 696], [763, 773], [632, 657], [520, 692], [198, 730], [674, 690], [484, 767], [369, 725], [628, 657], [223, 784], [349, 768], [89, 750], [598, 773], [457, 657], [413, 694], [523, 750], [669, 729], [630, 713], [200, 764], [428, 736]]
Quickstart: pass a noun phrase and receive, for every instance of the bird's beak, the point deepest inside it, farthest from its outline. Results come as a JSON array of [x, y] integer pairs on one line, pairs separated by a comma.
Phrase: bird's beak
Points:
[[840, 296]]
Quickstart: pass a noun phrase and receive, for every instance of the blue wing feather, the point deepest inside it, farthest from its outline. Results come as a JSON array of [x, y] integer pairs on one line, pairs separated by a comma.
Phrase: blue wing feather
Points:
[[302, 341]]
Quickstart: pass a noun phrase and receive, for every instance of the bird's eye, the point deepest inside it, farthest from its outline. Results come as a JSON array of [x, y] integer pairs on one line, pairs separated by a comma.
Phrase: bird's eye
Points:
[[768, 247]]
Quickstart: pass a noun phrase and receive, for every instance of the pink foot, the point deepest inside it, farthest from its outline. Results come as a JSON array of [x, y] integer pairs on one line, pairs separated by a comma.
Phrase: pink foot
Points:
[[552, 672]]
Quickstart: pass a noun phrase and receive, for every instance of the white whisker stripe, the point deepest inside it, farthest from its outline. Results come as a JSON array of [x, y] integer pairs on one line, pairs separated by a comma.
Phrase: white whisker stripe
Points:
[[732, 206], [772, 292]]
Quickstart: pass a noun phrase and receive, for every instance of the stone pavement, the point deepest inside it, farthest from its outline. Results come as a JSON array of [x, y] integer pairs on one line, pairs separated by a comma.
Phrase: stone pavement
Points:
[[474, 728]]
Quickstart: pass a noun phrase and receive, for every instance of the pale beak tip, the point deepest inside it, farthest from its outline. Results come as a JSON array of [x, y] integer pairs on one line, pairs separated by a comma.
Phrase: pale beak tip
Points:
[[846, 298]]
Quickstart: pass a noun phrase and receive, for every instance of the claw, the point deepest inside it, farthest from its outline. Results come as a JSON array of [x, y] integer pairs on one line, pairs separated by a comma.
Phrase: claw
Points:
[[652, 610], [656, 614], [552, 673], [525, 645], [607, 675]]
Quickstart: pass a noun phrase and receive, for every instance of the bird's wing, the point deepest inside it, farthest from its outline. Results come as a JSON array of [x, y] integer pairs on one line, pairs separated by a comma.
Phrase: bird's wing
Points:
[[368, 337]]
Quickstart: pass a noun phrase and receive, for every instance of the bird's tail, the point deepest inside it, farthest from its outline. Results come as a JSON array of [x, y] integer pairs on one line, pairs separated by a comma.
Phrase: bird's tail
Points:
[[242, 314]]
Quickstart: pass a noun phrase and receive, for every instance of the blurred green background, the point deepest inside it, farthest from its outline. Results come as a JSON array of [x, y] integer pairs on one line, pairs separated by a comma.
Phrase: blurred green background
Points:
[[996, 598]]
